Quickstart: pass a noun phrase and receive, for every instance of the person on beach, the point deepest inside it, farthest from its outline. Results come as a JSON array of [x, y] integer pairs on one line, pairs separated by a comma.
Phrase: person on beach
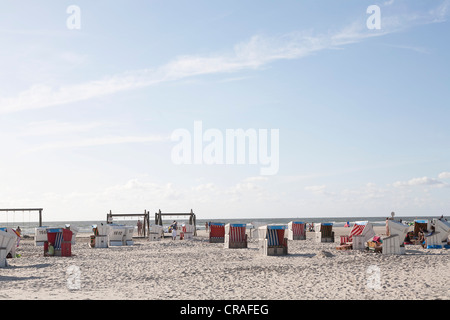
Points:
[[19, 231], [51, 250], [139, 226], [206, 226], [174, 230]]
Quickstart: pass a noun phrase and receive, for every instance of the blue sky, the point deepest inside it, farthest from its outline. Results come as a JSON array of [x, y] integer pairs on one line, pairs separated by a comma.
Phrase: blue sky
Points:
[[86, 115]]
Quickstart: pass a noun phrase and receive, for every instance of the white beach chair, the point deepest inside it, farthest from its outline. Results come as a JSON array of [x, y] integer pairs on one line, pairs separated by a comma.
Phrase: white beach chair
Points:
[[129, 231], [156, 232], [324, 232], [188, 231], [273, 241], [116, 235], [394, 244], [100, 237], [235, 235], [296, 230], [433, 240], [443, 227], [361, 232], [40, 236], [12, 232], [7, 243]]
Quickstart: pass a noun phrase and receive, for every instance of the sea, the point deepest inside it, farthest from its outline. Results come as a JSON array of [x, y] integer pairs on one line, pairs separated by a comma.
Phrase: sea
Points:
[[28, 228]]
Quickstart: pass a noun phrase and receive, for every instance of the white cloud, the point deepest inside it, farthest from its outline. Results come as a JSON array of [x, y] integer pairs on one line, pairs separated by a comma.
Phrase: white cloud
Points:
[[424, 181], [92, 142], [444, 175]]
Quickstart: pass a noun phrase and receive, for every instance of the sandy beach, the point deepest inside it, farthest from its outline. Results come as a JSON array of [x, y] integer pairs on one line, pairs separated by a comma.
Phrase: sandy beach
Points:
[[199, 270]]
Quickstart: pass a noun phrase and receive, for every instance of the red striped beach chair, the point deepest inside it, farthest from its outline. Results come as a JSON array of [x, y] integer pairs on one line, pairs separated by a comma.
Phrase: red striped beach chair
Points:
[[235, 236], [296, 230], [217, 232], [274, 241], [361, 232]]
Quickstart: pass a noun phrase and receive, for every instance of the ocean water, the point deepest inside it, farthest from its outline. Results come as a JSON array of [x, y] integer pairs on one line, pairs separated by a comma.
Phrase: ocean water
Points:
[[28, 228]]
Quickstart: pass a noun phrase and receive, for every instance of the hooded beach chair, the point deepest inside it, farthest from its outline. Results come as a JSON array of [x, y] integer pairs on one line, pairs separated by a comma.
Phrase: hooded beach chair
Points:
[[296, 230], [420, 224], [100, 237], [156, 232], [217, 232], [394, 244], [16, 236], [116, 235], [40, 236], [61, 239], [361, 232], [433, 240], [7, 243], [324, 232], [443, 227], [129, 231], [235, 235], [274, 240], [187, 231]]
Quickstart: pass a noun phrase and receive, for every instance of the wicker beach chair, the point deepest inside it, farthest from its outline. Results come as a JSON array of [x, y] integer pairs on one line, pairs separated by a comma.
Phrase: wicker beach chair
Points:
[[394, 244], [217, 232], [7, 242], [361, 232], [273, 241], [61, 238], [235, 235], [443, 227], [16, 236], [324, 232], [296, 230], [187, 231]]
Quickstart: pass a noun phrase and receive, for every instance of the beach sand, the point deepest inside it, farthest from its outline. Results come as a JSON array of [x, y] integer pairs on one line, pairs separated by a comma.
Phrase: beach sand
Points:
[[199, 270]]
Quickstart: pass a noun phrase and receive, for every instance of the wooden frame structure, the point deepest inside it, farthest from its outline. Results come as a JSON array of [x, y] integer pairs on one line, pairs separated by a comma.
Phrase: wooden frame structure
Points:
[[192, 219], [27, 209], [145, 215]]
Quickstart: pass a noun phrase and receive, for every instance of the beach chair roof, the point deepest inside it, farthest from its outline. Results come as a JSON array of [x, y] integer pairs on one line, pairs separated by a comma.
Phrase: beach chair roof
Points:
[[217, 224], [237, 225]]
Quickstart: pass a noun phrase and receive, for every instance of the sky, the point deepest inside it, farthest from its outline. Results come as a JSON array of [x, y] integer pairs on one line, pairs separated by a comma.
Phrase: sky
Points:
[[127, 105]]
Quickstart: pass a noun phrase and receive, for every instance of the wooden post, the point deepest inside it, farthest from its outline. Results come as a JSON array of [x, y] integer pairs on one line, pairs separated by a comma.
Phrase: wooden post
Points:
[[40, 218]]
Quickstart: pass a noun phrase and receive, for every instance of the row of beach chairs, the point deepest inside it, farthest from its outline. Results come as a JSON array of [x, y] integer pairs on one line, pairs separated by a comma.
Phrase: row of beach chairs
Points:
[[362, 236], [273, 238]]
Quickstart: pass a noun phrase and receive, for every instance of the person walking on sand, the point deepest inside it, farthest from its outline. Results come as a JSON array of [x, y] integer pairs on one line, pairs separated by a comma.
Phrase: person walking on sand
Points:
[[206, 226]]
